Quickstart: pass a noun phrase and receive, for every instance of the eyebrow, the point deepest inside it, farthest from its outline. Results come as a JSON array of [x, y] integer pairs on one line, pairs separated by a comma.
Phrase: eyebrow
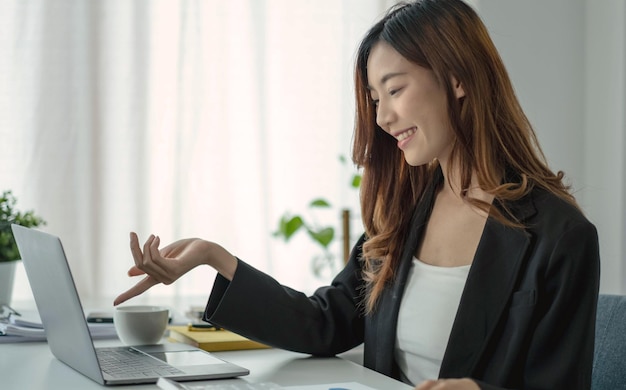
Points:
[[387, 77]]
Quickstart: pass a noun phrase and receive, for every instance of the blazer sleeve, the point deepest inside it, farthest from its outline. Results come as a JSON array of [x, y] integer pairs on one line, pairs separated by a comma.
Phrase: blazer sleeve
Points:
[[560, 353], [563, 342], [256, 306]]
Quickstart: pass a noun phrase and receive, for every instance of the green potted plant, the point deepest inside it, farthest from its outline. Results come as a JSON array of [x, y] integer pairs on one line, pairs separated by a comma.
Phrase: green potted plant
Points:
[[322, 235], [9, 254]]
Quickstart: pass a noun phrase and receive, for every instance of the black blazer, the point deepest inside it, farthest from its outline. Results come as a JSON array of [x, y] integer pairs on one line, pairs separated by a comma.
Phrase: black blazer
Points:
[[526, 318]]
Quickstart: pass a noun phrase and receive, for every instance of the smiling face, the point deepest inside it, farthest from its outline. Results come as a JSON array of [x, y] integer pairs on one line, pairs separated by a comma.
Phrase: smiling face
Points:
[[411, 105]]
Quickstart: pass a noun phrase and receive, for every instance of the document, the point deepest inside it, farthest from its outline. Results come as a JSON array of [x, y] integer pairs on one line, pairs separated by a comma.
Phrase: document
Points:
[[332, 386], [21, 329], [167, 384]]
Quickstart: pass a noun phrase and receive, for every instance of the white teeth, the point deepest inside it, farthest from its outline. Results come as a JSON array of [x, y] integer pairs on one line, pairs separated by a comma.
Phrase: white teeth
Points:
[[406, 134]]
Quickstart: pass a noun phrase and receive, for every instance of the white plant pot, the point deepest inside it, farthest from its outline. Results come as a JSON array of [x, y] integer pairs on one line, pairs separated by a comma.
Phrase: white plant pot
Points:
[[7, 276]]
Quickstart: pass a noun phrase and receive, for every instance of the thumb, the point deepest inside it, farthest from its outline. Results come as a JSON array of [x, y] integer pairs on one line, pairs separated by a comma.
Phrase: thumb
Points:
[[134, 271]]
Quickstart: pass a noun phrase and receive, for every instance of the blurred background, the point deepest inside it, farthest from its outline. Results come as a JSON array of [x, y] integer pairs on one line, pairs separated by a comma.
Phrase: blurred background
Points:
[[213, 118]]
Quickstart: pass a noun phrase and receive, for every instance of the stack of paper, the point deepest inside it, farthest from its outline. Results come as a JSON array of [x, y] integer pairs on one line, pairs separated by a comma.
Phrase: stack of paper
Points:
[[18, 329]]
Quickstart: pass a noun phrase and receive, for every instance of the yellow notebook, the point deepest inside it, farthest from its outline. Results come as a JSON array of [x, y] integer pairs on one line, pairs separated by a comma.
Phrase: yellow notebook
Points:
[[212, 340]]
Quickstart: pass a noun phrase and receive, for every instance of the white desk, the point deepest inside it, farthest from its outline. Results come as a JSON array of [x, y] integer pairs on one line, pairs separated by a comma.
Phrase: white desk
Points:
[[32, 366]]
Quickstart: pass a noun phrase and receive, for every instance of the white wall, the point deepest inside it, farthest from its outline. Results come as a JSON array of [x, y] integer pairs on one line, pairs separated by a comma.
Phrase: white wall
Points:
[[567, 62], [605, 134]]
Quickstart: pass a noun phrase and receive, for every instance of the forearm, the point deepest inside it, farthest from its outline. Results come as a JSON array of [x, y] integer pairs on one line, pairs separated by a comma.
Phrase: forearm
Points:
[[258, 307]]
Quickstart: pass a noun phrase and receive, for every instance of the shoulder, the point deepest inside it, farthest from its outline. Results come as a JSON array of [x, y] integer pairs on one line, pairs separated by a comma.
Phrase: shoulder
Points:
[[549, 220], [551, 210], [557, 227]]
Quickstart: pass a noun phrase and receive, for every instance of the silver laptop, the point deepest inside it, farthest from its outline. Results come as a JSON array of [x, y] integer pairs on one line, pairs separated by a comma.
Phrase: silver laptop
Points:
[[68, 335]]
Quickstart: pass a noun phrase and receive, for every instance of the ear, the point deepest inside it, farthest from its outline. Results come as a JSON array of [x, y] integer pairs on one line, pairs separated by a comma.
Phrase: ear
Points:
[[459, 91]]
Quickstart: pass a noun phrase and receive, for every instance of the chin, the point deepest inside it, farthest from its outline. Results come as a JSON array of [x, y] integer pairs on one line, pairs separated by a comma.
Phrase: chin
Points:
[[416, 162]]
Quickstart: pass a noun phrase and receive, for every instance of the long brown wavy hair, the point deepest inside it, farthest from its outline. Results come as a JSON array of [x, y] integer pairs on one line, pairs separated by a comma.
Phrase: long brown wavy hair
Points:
[[493, 136]]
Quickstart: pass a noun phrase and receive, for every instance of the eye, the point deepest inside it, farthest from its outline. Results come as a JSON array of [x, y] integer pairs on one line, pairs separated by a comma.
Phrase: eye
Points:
[[394, 91]]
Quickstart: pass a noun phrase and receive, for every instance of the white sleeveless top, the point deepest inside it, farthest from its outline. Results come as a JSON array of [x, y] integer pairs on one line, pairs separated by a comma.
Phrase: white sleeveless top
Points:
[[427, 311]]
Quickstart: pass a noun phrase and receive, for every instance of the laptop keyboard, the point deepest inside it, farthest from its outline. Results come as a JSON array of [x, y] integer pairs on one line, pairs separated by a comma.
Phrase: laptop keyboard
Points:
[[126, 362]]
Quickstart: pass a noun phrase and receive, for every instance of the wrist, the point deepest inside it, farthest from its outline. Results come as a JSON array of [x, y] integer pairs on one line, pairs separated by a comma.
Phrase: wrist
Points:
[[221, 260]]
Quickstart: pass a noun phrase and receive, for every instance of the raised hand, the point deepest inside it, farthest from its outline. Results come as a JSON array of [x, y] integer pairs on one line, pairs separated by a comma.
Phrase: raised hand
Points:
[[170, 263]]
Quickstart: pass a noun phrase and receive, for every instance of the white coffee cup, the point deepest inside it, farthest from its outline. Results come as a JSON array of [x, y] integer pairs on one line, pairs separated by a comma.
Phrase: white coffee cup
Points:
[[140, 325]]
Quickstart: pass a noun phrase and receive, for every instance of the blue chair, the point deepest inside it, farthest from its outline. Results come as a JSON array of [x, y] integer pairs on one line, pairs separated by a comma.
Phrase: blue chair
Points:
[[609, 360]]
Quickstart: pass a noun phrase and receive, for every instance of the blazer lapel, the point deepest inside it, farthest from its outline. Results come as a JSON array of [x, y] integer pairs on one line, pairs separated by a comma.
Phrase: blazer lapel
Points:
[[488, 288]]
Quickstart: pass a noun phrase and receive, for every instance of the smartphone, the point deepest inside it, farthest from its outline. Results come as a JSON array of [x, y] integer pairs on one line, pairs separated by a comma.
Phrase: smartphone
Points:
[[100, 317]]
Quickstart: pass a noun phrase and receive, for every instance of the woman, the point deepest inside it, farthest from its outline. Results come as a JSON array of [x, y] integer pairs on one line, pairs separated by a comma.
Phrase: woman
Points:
[[476, 266]]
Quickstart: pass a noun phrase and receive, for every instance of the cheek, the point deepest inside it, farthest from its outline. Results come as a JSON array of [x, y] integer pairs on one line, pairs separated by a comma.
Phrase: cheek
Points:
[[428, 106]]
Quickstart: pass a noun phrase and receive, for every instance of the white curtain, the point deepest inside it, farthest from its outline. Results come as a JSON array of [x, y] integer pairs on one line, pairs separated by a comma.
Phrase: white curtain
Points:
[[179, 118], [211, 118]]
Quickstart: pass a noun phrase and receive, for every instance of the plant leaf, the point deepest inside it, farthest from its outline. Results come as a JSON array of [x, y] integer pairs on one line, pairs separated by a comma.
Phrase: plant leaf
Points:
[[9, 215], [356, 181], [288, 226], [323, 236], [319, 202]]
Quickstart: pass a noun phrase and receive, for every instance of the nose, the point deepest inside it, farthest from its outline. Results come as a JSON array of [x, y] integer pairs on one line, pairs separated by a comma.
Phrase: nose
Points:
[[384, 115]]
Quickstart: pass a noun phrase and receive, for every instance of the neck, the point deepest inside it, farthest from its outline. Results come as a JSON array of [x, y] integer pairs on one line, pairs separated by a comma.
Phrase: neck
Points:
[[453, 185]]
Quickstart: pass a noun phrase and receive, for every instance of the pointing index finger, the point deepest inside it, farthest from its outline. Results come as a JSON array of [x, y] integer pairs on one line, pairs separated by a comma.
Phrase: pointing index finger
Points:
[[137, 289]]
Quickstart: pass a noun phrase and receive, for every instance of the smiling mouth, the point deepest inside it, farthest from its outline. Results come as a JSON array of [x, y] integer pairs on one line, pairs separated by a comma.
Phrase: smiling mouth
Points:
[[406, 134]]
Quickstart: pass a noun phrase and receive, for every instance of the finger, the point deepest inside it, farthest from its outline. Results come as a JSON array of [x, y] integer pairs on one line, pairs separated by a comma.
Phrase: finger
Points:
[[147, 263], [144, 260], [155, 255], [146, 256], [135, 250], [166, 268], [134, 271], [153, 263], [137, 289], [154, 248]]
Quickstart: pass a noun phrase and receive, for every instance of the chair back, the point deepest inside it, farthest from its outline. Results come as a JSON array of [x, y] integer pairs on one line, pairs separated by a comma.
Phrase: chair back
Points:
[[609, 360]]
